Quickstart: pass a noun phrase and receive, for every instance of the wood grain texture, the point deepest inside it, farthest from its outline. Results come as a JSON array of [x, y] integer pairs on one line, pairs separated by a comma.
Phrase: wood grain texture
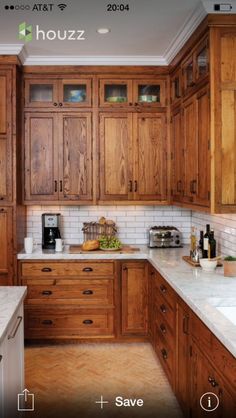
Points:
[[6, 252], [177, 149], [190, 147], [55, 269]]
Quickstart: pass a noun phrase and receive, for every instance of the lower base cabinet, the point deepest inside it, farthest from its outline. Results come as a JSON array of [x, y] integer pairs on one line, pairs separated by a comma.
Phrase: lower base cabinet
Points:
[[12, 366]]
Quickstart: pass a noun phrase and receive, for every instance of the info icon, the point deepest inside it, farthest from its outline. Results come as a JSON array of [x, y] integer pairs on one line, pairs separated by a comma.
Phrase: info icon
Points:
[[209, 401]]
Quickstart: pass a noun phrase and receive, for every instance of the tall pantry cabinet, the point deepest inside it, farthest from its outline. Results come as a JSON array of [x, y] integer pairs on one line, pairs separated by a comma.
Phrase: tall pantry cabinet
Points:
[[12, 213]]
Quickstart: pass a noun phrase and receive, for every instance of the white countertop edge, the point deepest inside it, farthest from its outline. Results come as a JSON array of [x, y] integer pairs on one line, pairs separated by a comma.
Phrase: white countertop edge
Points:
[[14, 306]]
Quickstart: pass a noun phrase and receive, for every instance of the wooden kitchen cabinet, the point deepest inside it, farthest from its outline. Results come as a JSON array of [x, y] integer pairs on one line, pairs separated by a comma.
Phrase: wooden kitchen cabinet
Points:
[[177, 155], [133, 157], [57, 93], [151, 93], [58, 157], [115, 92], [176, 87], [134, 299], [6, 253], [6, 149]]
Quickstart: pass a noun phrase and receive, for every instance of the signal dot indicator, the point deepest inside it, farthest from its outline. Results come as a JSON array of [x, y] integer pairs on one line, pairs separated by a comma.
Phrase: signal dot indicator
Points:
[[12, 7]]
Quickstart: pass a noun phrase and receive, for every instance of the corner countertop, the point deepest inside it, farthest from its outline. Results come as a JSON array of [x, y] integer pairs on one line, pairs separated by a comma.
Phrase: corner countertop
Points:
[[11, 298], [203, 292]]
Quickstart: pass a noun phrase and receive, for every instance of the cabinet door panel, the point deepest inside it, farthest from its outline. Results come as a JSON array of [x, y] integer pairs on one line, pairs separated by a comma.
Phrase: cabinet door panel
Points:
[[41, 157], [150, 151], [203, 154], [5, 102], [76, 157], [190, 149], [115, 156], [182, 358], [134, 299], [177, 153], [5, 137], [5, 246]]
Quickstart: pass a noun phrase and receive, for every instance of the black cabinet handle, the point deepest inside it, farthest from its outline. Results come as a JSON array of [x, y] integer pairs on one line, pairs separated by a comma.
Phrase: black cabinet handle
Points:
[[163, 308], [130, 186], [163, 328], [60, 104], [88, 322], [163, 288], [194, 187], [0, 358], [46, 269], [60, 185], [55, 185], [135, 186], [13, 334], [87, 269], [130, 104], [2, 210], [46, 292], [54, 104], [164, 354], [47, 322], [88, 292], [1, 198], [212, 381], [136, 104]]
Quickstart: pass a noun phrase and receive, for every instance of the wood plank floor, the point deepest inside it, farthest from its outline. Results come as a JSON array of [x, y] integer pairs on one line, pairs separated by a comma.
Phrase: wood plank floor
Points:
[[68, 379]]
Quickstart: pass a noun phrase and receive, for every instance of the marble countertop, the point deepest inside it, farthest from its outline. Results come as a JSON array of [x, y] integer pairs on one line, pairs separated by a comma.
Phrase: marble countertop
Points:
[[203, 292], [11, 298]]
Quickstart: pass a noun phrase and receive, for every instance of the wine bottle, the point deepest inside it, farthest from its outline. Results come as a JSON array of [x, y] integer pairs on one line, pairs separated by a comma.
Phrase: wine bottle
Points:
[[206, 241], [212, 243], [201, 240]]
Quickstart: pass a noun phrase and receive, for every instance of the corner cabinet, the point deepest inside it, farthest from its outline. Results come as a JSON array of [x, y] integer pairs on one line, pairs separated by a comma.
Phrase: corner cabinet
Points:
[[58, 157], [134, 298], [132, 154]]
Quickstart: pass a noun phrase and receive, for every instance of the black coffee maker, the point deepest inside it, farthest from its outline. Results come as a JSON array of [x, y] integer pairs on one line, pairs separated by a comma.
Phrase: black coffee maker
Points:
[[50, 230]]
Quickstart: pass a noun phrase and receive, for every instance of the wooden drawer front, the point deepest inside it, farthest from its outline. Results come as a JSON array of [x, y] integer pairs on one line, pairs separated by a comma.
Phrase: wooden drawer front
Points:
[[71, 323], [165, 332], [81, 292], [165, 290], [165, 355], [50, 269], [222, 359], [164, 310]]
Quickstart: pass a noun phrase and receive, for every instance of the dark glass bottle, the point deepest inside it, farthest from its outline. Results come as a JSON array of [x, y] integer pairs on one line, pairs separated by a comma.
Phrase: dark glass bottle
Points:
[[212, 243], [201, 240], [206, 241]]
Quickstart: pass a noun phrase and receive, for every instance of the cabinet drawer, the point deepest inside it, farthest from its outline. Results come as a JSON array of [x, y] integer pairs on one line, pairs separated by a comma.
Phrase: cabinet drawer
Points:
[[164, 310], [164, 332], [68, 323], [80, 292], [167, 294], [166, 356], [84, 269]]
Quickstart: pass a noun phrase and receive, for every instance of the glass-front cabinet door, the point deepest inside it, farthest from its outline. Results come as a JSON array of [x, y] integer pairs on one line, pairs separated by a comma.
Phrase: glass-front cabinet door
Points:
[[202, 60], [149, 93], [41, 93], [75, 93], [176, 87], [188, 73], [115, 93]]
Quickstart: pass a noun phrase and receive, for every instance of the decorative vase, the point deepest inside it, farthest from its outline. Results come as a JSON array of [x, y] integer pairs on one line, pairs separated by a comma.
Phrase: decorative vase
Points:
[[229, 268]]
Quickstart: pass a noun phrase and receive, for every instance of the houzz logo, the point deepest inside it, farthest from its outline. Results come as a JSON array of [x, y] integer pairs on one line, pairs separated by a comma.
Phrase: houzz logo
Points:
[[25, 33]]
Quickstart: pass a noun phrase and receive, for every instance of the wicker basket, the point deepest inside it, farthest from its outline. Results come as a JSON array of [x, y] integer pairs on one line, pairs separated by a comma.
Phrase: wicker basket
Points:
[[94, 230]]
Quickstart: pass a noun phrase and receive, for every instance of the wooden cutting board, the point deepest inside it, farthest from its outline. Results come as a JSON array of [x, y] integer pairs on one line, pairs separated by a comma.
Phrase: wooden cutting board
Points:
[[77, 249], [188, 260]]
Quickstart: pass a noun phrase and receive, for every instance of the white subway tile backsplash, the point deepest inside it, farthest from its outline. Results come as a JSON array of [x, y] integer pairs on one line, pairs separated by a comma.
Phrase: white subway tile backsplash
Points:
[[132, 221]]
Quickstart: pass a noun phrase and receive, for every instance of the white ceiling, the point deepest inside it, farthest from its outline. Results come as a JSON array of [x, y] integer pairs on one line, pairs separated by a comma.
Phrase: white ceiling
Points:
[[151, 32]]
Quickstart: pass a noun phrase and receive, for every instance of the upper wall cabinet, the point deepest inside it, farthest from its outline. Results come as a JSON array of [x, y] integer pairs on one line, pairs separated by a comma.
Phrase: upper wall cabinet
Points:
[[195, 67], [123, 93], [54, 93], [5, 137], [176, 87]]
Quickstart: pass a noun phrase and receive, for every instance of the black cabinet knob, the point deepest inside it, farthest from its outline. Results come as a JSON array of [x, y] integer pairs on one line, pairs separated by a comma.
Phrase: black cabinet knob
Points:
[[47, 322], [88, 292], [88, 322], [47, 292], [87, 269], [46, 269]]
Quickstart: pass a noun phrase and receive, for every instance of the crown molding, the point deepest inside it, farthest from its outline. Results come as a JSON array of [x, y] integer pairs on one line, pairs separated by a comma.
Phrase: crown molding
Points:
[[94, 60], [185, 32]]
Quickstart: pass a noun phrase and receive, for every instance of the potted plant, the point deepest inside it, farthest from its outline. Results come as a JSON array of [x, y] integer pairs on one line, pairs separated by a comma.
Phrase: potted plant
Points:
[[230, 266]]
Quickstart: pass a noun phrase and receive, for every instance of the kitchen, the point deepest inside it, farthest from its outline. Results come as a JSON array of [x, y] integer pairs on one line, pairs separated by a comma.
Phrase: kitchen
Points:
[[105, 158]]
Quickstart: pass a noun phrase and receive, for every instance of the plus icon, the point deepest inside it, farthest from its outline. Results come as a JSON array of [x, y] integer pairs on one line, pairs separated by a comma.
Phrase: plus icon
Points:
[[102, 402]]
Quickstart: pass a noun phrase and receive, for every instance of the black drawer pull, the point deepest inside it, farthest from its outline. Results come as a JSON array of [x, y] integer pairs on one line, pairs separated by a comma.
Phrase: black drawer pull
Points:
[[163, 308], [47, 322], [88, 322], [46, 292], [88, 292], [46, 270], [212, 381], [163, 288], [164, 354], [163, 328], [87, 269]]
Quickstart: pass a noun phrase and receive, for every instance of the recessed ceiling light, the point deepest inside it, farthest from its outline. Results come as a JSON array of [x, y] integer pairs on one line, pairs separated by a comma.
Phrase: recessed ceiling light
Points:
[[103, 31]]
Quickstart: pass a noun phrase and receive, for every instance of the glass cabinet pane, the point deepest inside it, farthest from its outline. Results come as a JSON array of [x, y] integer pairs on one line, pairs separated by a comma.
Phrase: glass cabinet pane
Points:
[[115, 93], [202, 62], [176, 83], [74, 93], [149, 93], [189, 74], [41, 92]]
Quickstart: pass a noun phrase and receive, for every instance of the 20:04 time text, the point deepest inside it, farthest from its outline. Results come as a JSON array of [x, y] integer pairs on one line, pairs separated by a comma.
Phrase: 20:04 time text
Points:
[[113, 7]]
